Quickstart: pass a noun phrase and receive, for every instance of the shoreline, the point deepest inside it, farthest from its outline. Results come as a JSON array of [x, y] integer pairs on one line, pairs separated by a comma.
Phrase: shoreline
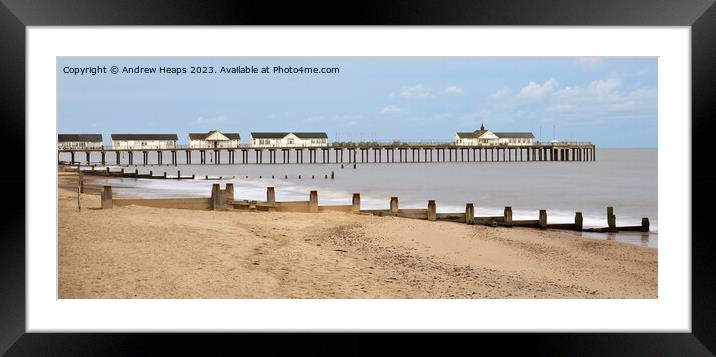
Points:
[[250, 189], [142, 252]]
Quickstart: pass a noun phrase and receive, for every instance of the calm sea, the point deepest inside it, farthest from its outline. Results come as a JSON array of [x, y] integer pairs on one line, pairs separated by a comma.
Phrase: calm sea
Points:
[[623, 178]]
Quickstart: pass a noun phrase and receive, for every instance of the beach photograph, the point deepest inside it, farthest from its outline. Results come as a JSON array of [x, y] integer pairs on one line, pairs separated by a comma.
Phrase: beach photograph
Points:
[[357, 177]]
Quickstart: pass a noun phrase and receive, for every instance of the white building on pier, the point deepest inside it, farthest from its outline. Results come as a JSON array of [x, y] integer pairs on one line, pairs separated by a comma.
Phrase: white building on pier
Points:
[[144, 141], [485, 137], [289, 139], [79, 141], [214, 139]]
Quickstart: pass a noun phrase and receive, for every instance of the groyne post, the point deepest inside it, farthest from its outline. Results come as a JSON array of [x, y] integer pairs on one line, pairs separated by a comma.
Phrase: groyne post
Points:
[[178, 175], [611, 218], [165, 174], [271, 195], [216, 203], [578, 221], [229, 192], [470, 213], [645, 224], [508, 215], [356, 203], [106, 197], [543, 219], [81, 183], [394, 205], [432, 215], [313, 202]]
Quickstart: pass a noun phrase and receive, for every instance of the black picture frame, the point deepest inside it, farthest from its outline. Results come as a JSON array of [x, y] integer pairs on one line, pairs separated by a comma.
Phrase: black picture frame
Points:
[[16, 15]]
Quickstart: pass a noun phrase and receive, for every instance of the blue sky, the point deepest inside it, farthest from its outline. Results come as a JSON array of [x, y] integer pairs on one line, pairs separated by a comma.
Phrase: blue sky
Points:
[[609, 101]]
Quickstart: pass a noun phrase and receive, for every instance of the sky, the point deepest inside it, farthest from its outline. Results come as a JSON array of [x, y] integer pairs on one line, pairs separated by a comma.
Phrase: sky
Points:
[[611, 102]]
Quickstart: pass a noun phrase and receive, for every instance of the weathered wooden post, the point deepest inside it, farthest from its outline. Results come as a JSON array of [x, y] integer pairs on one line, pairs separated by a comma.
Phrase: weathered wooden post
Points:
[[508, 215], [122, 171], [356, 203], [81, 181], [432, 215], [611, 218], [645, 224], [394, 205], [178, 175], [271, 195], [229, 192], [313, 202], [333, 175], [107, 171], [543, 219], [216, 203], [136, 171], [193, 176], [578, 221], [106, 197], [165, 174], [470, 213]]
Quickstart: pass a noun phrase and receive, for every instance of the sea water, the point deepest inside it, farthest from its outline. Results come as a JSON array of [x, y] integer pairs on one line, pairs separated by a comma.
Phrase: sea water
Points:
[[623, 178]]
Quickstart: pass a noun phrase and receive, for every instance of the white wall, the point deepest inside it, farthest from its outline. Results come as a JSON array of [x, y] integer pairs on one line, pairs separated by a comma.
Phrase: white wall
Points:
[[289, 140], [144, 144], [79, 144]]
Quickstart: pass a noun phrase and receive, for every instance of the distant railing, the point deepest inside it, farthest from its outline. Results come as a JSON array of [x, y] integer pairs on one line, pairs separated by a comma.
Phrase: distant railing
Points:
[[338, 145]]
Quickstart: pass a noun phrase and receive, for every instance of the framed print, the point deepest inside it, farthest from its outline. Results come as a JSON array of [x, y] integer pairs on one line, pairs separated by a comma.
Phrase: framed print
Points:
[[534, 176]]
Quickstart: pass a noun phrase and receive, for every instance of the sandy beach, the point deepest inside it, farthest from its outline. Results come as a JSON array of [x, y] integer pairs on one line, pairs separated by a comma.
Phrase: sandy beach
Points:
[[141, 252]]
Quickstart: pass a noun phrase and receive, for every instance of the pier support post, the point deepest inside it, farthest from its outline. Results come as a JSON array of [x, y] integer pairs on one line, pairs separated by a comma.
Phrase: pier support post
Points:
[[216, 201], [470, 213], [578, 221], [394, 205], [270, 196], [611, 218], [645, 224], [543, 219], [229, 192], [432, 215], [106, 197], [313, 202], [508, 215], [356, 203]]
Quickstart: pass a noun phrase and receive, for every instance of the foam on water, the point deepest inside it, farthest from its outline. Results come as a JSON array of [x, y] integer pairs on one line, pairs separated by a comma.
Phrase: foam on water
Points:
[[623, 178]]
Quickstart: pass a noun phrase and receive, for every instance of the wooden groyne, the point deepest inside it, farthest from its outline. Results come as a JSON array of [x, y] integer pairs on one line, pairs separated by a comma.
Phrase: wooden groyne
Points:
[[224, 200], [343, 153]]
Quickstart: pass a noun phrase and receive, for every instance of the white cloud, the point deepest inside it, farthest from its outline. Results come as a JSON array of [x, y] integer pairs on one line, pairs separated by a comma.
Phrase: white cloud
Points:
[[417, 91], [210, 120], [603, 98], [452, 90], [534, 91], [591, 62], [642, 71], [391, 109], [502, 93]]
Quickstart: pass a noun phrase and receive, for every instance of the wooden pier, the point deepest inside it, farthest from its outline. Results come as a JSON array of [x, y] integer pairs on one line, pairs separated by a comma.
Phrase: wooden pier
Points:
[[344, 153], [224, 200]]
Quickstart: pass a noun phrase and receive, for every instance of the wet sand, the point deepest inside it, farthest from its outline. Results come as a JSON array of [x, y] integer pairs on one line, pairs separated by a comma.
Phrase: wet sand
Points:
[[141, 252]]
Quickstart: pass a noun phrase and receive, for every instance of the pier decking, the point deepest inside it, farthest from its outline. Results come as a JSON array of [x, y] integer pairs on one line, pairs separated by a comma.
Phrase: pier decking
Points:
[[336, 153]]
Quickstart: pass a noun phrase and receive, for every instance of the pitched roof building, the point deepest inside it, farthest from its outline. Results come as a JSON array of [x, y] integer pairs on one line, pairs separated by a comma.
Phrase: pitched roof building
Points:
[[214, 139], [292, 139], [68, 141]]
